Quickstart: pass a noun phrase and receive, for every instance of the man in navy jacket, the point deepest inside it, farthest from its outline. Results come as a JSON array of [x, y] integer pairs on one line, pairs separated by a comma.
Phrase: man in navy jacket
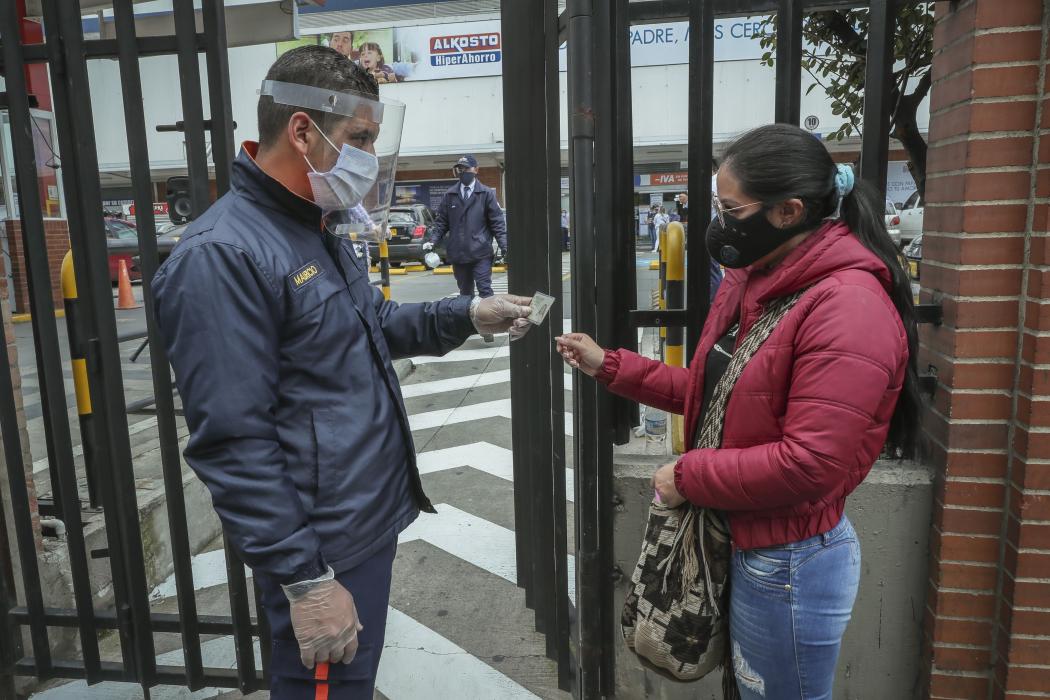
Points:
[[471, 218], [282, 352]]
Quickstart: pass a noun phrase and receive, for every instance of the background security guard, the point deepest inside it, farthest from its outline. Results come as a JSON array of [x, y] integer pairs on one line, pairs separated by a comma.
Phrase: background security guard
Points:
[[282, 354], [471, 217]]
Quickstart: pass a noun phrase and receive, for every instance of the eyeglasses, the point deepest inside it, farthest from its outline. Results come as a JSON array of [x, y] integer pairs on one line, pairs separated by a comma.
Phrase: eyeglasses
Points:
[[721, 211]]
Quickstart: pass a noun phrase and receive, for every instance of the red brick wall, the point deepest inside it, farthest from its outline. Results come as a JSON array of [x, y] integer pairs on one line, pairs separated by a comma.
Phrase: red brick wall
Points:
[[56, 232], [985, 248]]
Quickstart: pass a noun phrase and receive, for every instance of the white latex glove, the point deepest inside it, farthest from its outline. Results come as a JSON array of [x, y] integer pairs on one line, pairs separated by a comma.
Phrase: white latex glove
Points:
[[519, 328], [497, 314], [427, 247], [324, 619]]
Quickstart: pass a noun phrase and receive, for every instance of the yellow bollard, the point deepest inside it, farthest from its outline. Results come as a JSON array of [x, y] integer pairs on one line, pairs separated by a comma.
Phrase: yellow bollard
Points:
[[78, 358], [384, 268], [675, 299]]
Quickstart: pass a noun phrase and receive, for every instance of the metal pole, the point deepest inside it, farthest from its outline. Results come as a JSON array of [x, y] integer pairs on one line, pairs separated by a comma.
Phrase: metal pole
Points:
[[789, 62], [384, 268], [590, 575], [192, 109], [878, 83], [701, 108]]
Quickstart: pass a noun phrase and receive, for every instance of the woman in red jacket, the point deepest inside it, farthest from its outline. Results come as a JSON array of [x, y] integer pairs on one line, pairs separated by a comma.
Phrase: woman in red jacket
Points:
[[833, 384]]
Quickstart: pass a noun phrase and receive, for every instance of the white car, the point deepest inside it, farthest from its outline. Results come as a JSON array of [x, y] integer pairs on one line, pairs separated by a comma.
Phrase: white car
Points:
[[893, 221], [911, 218]]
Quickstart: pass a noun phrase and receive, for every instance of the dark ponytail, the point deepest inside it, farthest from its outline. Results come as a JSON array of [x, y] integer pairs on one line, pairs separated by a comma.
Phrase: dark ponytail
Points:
[[780, 161]]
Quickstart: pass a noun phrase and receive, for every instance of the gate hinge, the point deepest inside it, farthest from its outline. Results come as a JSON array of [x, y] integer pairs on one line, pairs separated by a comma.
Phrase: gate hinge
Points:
[[91, 361]]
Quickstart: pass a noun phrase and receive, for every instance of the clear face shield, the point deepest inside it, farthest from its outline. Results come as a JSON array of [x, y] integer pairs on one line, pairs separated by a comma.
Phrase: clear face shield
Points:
[[352, 175]]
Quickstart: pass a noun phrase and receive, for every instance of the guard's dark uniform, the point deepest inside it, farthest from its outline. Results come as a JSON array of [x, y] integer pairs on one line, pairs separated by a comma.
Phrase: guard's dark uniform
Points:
[[282, 354], [471, 225]]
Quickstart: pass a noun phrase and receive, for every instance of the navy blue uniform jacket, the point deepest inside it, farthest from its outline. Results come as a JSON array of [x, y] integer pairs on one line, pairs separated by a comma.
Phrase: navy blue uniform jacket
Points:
[[470, 225], [282, 355]]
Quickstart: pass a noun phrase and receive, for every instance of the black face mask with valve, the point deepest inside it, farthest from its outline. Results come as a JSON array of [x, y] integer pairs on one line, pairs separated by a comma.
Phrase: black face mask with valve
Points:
[[741, 242]]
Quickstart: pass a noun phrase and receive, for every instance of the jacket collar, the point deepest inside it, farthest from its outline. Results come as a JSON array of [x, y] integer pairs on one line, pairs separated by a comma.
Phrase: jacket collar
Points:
[[249, 180], [479, 186]]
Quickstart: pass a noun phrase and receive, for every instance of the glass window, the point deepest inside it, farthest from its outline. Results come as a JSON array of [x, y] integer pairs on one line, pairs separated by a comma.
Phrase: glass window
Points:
[[120, 230], [402, 217], [49, 194]]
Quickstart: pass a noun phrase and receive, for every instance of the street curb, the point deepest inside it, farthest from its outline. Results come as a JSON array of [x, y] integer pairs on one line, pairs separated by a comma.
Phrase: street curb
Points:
[[26, 318]]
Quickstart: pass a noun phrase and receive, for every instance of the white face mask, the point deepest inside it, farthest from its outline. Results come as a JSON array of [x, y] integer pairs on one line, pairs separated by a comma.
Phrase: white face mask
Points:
[[346, 184]]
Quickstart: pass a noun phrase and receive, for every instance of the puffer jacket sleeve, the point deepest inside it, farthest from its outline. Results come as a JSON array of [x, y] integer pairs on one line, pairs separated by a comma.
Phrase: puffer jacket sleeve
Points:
[[646, 381], [218, 313], [849, 352], [431, 328]]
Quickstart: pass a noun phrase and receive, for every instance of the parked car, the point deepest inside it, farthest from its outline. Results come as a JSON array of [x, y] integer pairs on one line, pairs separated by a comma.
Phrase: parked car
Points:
[[913, 254], [911, 218], [893, 222], [408, 225], [122, 241]]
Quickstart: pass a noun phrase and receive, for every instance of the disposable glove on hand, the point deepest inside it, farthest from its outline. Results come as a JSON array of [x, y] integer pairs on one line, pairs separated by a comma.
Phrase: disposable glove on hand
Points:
[[427, 247], [324, 619], [497, 314]]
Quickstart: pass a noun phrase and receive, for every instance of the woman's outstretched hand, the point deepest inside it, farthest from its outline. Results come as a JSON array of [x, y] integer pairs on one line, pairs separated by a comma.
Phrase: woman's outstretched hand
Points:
[[581, 352]]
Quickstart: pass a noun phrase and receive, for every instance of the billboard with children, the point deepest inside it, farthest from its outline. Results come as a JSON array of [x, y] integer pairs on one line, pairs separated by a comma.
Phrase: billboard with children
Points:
[[403, 54]]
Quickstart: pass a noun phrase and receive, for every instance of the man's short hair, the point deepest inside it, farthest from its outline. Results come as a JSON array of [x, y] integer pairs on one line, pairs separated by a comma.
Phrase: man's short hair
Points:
[[319, 66]]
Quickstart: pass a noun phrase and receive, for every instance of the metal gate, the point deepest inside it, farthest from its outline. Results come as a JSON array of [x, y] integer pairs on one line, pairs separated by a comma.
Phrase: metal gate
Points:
[[66, 53], [582, 635]]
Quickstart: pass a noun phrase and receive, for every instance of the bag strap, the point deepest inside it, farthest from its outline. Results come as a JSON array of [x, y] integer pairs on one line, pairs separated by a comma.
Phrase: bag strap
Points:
[[710, 433]]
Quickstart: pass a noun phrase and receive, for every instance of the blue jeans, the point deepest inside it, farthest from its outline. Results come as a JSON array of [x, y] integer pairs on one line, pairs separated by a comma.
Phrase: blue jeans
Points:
[[788, 611]]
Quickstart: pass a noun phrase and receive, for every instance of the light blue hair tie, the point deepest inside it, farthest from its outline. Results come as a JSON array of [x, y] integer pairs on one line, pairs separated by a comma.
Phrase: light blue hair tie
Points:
[[844, 180]]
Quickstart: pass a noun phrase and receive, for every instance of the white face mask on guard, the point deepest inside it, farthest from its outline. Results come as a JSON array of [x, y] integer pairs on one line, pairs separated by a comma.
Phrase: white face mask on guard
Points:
[[346, 184]]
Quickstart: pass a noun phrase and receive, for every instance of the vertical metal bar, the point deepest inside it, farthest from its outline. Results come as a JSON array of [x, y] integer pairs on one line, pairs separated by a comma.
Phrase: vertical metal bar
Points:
[[10, 633], [70, 86], [623, 197], [23, 525], [701, 127], [192, 109], [171, 462], [789, 62], [590, 575], [265, 636], [514, 19], [609, 263], [45, 335], [242, 620], [222, 143], [214, 25], [878, 82], [560, 619]]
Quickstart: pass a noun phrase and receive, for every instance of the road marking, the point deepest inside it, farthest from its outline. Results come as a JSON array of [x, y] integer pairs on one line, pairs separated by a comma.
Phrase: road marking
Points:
[[455, 384], [486, 545], [472, 412], [420, 663], [209, 569], [483, 456]]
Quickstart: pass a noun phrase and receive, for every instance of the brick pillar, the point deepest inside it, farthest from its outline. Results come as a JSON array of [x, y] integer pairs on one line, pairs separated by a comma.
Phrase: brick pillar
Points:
[[56, 233], [23, 433], [985, 247]]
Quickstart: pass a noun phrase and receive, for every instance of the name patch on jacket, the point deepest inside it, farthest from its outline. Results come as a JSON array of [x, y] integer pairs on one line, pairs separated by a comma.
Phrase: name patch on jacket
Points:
[[306, 274]]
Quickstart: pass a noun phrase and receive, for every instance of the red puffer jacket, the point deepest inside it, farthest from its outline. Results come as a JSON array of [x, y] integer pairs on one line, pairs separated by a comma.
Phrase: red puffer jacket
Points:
[[810, 413]]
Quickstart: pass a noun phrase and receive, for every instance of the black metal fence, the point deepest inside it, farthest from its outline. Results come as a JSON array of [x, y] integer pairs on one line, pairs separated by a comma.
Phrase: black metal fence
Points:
[[581, 629], [582, 635], [66, 53]]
